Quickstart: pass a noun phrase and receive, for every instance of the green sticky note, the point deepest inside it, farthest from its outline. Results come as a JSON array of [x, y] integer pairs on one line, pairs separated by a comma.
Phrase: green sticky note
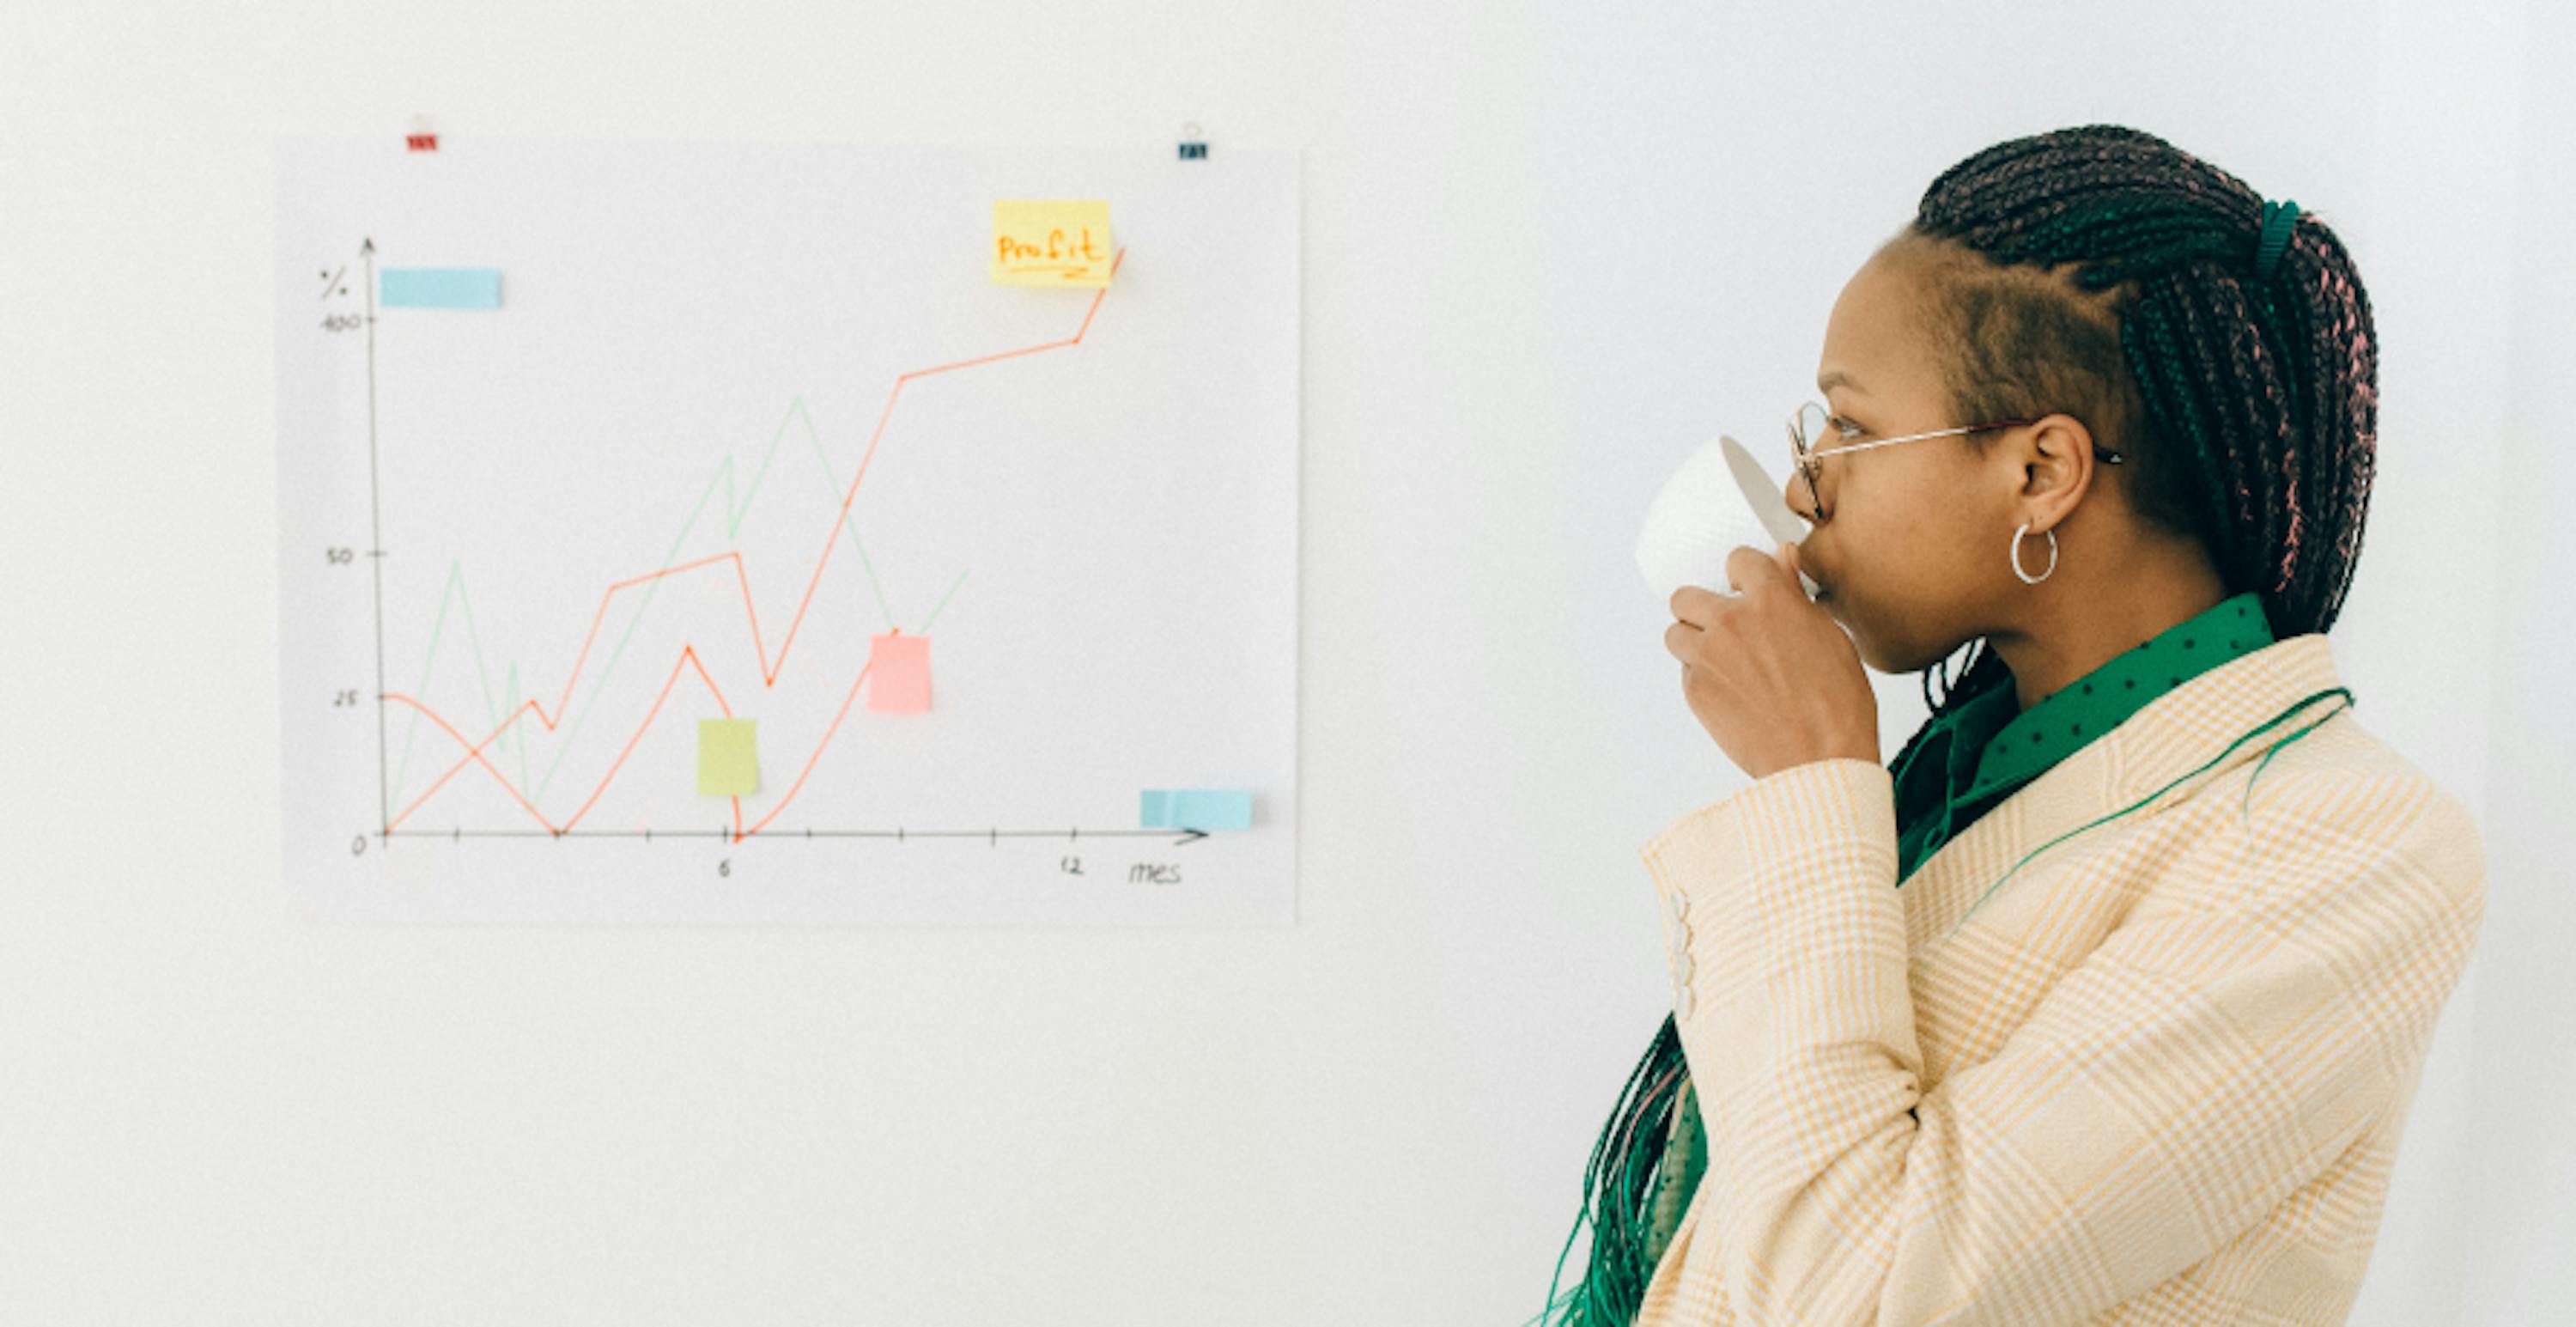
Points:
[[728, 765]]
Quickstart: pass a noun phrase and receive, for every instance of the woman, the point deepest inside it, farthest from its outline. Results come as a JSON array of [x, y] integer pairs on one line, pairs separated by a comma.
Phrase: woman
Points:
[[2105, 1000]]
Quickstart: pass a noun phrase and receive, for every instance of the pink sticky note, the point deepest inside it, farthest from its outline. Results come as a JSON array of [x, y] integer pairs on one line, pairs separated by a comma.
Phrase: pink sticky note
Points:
[[898, 674]]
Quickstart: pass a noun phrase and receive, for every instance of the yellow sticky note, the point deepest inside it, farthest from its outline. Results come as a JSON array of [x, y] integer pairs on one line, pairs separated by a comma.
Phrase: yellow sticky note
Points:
[[1046, 242], [728, 765]]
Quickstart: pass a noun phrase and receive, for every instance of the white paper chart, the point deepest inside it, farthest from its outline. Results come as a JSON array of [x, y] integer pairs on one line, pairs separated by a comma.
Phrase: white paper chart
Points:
[[693, 532]]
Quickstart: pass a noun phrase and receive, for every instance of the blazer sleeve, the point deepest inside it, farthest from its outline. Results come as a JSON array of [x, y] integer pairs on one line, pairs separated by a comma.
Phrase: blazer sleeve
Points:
[[2214, 1053]]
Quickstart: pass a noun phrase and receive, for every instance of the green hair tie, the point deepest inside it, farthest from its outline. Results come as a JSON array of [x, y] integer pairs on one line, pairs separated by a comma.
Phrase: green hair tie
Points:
[[2277, 219]]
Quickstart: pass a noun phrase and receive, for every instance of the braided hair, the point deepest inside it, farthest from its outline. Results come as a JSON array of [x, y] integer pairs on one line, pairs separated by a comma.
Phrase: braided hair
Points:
[[2105, 273]]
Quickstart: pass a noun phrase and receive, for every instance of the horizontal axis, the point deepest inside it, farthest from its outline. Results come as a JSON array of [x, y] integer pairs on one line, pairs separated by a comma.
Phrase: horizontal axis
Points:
[[898, 834]]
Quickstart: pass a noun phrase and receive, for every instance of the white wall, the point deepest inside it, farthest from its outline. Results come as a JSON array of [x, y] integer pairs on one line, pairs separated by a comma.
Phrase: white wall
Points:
[[2521, 1164], [1548, 248]]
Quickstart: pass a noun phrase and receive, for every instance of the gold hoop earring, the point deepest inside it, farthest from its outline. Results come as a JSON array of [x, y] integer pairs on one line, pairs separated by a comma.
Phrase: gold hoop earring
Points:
[[2026, 577]]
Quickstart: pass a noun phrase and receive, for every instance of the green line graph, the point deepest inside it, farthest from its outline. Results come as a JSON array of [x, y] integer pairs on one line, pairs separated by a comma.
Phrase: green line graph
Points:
[[513, 744]]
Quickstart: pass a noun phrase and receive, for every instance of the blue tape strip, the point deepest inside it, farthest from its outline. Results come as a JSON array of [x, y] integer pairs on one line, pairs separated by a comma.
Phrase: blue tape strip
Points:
[[440, 287], [1197, 808]]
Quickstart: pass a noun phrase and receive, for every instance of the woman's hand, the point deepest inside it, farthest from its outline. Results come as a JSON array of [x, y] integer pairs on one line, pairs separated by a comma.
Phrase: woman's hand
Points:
[[1771, 676]]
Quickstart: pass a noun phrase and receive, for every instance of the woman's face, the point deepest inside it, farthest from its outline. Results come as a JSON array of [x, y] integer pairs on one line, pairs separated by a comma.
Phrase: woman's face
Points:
[[1914, 535]]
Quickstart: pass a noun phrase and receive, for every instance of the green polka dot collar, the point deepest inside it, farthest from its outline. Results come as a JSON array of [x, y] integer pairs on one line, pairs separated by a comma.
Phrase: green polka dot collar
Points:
[[1993, 746]]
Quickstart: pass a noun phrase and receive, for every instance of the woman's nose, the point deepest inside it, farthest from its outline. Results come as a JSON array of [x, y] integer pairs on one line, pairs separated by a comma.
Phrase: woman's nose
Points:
[[1800, 496]]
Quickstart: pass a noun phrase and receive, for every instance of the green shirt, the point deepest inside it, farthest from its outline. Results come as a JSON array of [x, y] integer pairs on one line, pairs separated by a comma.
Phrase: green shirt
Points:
[[1970, 760], [1982, 751]]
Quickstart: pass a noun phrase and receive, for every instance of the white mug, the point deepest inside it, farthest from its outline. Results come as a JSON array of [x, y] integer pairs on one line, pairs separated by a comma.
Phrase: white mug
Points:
[[1719, 500]]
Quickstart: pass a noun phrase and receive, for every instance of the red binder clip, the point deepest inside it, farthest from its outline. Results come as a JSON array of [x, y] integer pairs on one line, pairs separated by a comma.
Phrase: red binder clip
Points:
[[423, 136]]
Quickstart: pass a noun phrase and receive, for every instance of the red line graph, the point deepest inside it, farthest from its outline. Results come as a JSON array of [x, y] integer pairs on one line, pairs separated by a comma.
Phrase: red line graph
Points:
[[769, 668]]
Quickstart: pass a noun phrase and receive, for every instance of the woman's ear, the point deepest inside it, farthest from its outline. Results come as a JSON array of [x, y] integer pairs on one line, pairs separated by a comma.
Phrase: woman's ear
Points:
[[2056, 463]]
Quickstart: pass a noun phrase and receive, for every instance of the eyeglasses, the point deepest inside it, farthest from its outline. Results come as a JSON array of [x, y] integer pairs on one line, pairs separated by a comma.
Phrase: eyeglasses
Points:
[[1811, 421]]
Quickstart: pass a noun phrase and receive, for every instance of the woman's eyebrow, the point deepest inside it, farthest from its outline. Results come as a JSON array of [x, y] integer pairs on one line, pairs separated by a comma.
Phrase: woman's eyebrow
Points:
[[1828, 381]]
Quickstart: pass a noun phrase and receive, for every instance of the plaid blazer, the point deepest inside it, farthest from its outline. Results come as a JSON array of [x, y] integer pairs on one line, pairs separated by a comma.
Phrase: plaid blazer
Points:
[[2155, 1072]]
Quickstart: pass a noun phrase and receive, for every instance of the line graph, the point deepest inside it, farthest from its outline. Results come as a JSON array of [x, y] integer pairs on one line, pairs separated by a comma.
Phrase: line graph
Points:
[[1124, 508], [770, 668], [454, 596]]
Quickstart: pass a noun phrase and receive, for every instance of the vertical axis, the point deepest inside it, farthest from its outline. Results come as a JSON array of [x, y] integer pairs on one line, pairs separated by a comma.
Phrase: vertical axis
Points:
[[376, 556]]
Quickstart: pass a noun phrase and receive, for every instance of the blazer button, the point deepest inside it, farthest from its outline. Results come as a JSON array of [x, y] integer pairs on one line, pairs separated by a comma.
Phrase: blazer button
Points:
[[1683, 999], [1680, 905]]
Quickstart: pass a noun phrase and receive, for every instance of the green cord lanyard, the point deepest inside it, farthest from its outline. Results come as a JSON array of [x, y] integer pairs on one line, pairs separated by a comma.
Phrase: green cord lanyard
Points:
[[2275, 722]]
